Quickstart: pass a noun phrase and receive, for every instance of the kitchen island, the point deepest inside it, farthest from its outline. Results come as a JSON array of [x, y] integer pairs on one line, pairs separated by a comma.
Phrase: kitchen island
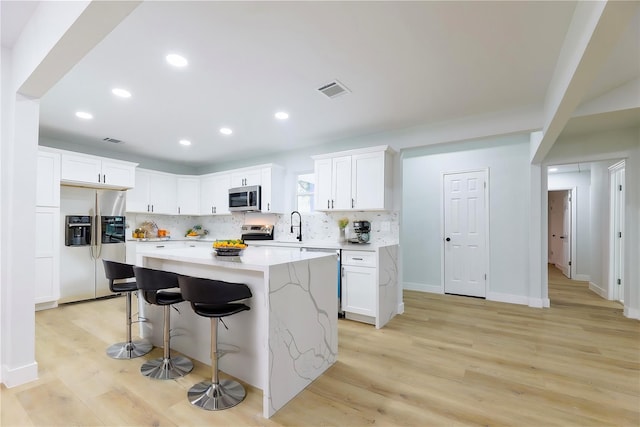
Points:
[[287, 339]]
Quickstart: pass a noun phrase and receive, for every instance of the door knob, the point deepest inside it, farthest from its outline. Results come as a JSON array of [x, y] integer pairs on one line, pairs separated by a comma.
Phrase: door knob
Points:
[[448, 239]]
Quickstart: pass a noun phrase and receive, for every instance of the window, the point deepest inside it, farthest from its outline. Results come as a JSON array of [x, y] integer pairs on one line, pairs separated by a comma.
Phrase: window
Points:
[[305, 189]]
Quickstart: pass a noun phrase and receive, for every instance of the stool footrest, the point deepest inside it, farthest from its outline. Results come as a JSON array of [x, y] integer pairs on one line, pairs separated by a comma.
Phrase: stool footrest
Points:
[[167, 369], [129, 350], [215, 397]]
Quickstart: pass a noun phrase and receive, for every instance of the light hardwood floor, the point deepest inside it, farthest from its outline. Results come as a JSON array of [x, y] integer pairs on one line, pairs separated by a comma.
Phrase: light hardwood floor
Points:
[[448, 360]]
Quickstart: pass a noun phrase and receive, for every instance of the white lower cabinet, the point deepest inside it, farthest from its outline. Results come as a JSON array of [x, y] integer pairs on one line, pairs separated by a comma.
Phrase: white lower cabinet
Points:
[[359, 290], [47, 268], [370, 290], [359, 283]]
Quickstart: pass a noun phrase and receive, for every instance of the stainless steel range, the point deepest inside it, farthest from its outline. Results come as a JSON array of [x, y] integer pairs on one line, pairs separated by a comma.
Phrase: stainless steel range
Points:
[[257, 232]]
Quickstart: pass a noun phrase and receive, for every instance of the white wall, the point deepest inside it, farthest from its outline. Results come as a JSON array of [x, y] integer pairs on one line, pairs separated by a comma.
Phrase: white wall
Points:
[[507, 159], [582, 182], [599, 226]]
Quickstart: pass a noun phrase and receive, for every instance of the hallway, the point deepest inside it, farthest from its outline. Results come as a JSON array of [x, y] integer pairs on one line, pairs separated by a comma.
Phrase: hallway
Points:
[[566, 292]]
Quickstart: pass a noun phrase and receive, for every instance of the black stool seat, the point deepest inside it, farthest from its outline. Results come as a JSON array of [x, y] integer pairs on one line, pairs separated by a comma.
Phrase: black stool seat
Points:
[[123, 287], [153, 285], [206, 310], [162, 297], [215, 299], [113, 271]]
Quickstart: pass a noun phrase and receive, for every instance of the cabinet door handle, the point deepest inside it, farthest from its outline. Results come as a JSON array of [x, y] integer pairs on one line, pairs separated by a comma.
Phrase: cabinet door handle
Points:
[[215, 209], [352, 203], [98, 177], [331, 203], [148, 208], [268, 207], [327, 203], [178, 209], [151, 208], [104, 179]]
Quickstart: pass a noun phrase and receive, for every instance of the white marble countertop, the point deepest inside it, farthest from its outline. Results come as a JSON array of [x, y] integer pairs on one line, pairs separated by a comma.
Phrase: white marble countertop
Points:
[[318, 244], [257, 258], [312, 244]]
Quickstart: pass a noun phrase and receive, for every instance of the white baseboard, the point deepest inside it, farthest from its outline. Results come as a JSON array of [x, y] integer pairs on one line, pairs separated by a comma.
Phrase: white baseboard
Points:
[[46, 305], [422, 287], [631, 313], [13, 377], [598, 290], [539, 302], [512, 299], [582, 277], [400, 308]]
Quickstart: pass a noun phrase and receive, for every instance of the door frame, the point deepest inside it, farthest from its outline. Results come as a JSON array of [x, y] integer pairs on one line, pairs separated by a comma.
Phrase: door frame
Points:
[[487, 230], [616, 210], [573, 194]]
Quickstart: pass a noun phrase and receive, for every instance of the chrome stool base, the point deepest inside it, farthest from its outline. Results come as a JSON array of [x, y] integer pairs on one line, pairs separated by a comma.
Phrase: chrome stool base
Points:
[[129, 350], [215, 397], [167, 369]]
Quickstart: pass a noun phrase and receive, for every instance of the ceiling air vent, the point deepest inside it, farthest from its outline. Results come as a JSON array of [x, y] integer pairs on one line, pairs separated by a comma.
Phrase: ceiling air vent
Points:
[[115, 141], [334, 89]]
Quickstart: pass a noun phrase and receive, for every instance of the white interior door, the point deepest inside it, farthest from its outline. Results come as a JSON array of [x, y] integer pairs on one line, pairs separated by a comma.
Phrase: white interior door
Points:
[[555, 227], [465, 213]]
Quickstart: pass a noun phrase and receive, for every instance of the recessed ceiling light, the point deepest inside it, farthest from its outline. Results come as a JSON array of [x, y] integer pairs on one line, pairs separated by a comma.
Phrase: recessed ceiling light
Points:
[[226, 131], [84, 115], [122, 93], [176, 60], [282, 115], [553, 169], [185, 142]]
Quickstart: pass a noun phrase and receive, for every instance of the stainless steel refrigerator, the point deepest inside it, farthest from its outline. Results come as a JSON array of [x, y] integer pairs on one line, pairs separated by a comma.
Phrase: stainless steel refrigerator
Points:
[[93, 229]]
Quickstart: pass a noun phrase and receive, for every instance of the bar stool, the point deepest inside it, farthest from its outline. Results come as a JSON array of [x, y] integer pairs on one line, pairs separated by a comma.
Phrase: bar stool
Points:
[[152, 284], [118, 271], [215, 299]]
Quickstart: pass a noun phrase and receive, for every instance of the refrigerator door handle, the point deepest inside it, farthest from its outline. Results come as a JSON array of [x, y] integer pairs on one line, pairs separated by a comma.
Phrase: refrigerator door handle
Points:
[[98, 236]]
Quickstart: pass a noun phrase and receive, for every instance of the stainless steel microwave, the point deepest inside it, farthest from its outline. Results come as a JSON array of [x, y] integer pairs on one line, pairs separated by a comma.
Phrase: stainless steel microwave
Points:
[[245, 199]]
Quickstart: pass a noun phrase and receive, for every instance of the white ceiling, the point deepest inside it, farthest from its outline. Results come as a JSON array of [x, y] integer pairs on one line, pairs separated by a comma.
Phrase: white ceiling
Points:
[[406, 64]]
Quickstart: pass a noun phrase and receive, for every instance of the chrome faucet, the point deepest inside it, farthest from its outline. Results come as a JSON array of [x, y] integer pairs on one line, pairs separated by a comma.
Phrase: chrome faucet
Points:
[[299, 237]]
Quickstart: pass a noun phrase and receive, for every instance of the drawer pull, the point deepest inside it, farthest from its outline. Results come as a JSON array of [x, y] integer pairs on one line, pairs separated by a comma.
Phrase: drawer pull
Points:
[[357, 259]]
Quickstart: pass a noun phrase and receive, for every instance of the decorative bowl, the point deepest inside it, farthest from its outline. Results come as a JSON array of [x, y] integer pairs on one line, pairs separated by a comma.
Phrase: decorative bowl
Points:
[[193, 237], [228, 251]]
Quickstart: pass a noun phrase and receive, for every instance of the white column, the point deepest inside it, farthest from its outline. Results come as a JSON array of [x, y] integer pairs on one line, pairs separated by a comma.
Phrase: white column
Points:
[[56, 37]]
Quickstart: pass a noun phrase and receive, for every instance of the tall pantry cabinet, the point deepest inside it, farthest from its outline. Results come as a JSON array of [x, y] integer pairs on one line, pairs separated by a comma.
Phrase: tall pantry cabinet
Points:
[[47, 274]]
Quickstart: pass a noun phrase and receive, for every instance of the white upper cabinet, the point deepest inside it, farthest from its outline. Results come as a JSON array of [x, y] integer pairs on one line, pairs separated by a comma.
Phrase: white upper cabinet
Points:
[[272, 182], [214, 194], [341, 183], [368, 186], [188, 195], [48, 179], [354, 180], [155, 192], [244, 177], [93, 171]]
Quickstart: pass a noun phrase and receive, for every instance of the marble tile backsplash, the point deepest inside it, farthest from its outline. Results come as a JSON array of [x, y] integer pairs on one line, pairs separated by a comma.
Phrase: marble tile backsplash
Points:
[[316, 226]]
